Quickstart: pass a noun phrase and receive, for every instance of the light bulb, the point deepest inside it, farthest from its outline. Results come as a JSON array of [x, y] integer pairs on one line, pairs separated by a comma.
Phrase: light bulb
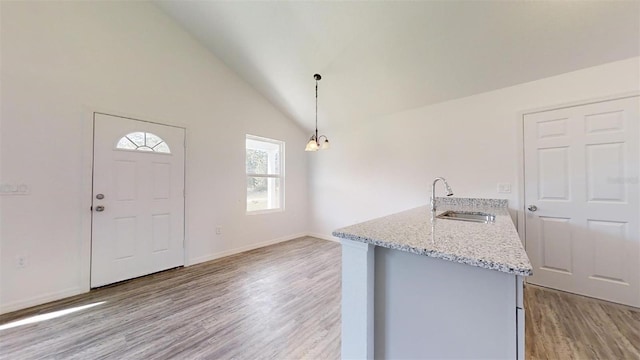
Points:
[[312, 145]]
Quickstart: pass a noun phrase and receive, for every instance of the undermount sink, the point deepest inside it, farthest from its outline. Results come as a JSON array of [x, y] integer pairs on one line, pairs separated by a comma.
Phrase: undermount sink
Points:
[[479, 217]]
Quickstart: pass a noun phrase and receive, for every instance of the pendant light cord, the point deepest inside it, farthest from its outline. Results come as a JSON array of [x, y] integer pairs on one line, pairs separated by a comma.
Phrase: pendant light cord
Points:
[[316, 110]]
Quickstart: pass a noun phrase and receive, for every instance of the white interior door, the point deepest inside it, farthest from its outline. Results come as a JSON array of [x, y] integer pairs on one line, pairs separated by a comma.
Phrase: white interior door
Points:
[[581, 173], [138, 199]]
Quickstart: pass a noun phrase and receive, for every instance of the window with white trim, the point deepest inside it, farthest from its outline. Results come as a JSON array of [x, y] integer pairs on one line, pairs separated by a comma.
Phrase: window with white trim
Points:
[[265, 174]]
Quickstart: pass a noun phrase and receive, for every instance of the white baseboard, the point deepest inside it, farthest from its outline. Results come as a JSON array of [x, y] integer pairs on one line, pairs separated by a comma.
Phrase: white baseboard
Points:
[[324, 237], [218, 255], [39, 300]]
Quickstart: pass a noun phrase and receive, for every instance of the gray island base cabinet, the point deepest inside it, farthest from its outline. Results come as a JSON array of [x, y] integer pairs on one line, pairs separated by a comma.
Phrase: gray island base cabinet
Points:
[[432, 301]]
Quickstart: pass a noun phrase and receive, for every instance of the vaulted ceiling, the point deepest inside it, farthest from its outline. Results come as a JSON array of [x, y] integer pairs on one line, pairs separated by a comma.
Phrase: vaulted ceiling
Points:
[[383, 57]]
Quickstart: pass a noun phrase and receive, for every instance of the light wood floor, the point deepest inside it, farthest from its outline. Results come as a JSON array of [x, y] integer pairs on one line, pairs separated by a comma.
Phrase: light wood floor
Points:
[[560, 325], [278, 302]]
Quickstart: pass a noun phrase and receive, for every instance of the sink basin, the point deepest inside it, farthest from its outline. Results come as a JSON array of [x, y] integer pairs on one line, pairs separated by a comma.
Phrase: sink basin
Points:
[[479, 217]]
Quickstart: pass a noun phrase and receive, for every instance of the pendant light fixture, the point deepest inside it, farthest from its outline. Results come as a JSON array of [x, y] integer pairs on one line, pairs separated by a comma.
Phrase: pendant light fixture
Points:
[[315, 143]]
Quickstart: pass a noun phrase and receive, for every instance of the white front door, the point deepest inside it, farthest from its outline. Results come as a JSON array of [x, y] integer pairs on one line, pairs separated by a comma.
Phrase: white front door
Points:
[[138, 199], [581, 173]]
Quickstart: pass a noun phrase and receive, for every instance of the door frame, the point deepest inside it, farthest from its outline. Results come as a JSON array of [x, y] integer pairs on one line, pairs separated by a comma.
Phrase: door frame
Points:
[[520, 147], [86, 265]]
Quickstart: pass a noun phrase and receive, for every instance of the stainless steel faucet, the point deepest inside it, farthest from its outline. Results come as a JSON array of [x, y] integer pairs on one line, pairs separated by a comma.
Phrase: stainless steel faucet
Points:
[[433, 191]]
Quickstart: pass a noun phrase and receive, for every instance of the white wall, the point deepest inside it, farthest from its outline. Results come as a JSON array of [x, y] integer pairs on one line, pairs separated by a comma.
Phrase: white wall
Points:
[[63, 60], [384, 165]]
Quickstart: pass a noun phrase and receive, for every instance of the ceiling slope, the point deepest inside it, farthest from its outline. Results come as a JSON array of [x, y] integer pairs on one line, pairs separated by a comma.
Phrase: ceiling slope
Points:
[[384, 57]]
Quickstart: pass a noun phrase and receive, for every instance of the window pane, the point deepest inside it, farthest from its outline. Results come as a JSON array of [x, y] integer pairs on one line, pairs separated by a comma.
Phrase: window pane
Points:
[[162, 148], [137, 138], [263, 193], [125, 143], [276, 163], [152, 139], [264, 157], [257, 161]]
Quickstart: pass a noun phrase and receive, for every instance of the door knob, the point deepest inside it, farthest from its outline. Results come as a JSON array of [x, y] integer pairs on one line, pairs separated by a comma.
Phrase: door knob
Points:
[[99, 208], [532, 208]]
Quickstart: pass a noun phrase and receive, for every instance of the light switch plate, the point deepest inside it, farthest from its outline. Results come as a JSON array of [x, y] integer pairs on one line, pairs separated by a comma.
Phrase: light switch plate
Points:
[[14, 189], [504, 188]]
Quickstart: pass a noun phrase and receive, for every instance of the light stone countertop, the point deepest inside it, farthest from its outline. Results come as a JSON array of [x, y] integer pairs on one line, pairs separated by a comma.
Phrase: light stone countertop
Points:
[[494, 246]]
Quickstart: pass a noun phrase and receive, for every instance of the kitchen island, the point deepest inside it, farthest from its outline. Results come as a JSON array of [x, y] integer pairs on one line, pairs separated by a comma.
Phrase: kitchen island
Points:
[[416, 286]]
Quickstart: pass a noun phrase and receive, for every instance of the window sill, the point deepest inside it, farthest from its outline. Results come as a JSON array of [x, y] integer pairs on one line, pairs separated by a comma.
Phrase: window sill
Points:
[[261, 212]]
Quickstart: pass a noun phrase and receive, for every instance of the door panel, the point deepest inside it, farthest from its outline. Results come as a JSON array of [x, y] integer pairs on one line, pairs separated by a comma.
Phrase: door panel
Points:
[[556, 244], [125, 180], [608, 249], [582, 173], [605, 162], [160, 232], [553, 173], [139, 170], [552, 128], [125, 237], [605, 122], [161, 180]]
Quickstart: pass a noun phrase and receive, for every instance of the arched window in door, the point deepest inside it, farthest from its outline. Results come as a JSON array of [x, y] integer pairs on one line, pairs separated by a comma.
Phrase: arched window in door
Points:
[[143, 141]]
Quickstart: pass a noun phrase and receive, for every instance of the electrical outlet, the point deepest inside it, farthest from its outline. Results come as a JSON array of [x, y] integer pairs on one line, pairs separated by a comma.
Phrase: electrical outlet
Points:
[[218, 230], [21, 261], [504, 188]]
